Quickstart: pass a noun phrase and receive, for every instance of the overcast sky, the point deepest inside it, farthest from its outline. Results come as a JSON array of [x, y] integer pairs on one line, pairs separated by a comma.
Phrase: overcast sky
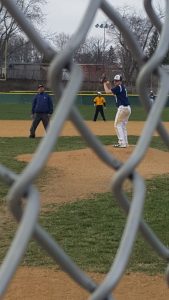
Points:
[[66, 15]]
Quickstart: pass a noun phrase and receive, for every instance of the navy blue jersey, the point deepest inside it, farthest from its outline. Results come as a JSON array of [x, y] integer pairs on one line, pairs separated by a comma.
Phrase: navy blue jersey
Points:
[[42, 103], [121, 97]]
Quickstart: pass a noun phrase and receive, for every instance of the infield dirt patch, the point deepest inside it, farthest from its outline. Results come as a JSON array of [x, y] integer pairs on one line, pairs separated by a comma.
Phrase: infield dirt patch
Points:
[[78, 174], [21, 128]]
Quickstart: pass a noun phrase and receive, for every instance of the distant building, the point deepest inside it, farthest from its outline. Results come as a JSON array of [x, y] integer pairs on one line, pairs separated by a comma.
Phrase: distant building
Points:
[[29, 74], [92, 72], [26, 71]]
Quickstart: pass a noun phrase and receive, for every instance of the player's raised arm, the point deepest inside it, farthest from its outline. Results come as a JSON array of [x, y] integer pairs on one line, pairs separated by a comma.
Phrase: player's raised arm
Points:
[[106, 84], [107, 87]]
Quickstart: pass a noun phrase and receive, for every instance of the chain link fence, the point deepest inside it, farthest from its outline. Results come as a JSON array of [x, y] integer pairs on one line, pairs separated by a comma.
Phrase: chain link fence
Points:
[[21, 188]]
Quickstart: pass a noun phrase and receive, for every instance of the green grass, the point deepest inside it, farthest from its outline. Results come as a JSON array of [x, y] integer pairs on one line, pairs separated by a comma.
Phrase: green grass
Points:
[[88, 112], [14, 111], [88, 230], [138, 113], [22, 111]]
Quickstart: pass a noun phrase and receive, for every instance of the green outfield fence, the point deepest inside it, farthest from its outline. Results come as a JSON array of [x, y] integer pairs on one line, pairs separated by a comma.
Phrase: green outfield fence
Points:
[[82, 98]]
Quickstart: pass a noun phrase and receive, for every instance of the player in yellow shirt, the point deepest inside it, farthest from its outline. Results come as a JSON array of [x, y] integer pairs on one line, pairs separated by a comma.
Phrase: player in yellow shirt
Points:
[[99, 103]]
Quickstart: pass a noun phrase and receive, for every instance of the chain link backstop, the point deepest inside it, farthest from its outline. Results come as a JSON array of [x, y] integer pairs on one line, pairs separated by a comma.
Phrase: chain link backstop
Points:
[[21, 189]]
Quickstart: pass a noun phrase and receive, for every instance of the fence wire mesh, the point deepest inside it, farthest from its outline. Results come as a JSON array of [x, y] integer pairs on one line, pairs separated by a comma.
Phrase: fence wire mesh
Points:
[[21, 188]]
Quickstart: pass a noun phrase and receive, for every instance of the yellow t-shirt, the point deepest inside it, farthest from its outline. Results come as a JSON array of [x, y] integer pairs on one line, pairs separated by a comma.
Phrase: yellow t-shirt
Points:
[[99, 100]]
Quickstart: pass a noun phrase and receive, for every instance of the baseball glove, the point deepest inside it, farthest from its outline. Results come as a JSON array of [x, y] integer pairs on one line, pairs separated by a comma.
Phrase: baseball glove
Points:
[[103, 78]]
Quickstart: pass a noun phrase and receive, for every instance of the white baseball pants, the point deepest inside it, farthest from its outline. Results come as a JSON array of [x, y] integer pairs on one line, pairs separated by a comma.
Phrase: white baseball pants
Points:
[[120, 124]]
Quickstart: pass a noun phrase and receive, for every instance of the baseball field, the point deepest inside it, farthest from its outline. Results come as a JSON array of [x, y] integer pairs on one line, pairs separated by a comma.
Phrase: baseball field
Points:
[[78, 209]]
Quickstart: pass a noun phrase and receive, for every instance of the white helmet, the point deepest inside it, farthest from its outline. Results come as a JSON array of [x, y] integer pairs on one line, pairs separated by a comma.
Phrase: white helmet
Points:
[[118, 77]]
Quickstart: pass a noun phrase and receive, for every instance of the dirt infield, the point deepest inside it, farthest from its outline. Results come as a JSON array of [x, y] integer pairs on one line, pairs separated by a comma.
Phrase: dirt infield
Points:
[[21, 128], [76, 165], [46, 284]]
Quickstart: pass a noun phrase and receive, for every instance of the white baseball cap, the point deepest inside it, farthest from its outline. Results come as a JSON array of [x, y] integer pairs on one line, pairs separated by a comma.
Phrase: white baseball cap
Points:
[[118, 77], [99, 93]]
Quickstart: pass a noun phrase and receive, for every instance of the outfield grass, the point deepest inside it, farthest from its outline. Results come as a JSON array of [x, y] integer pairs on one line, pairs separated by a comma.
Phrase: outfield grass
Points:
[[89, 230], [23, 111]]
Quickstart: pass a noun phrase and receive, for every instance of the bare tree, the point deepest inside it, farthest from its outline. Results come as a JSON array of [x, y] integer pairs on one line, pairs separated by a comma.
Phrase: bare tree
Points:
[[60, 40], [89, 52], [22, 51], [9, 29], [142, 28], [92, 51], [153, 42]]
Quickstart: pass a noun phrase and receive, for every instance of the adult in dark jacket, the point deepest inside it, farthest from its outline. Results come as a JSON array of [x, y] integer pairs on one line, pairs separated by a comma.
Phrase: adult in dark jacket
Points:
[[42, 108]]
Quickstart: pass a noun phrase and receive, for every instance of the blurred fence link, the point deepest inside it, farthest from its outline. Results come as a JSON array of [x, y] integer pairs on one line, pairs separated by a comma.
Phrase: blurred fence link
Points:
[[23, 198]]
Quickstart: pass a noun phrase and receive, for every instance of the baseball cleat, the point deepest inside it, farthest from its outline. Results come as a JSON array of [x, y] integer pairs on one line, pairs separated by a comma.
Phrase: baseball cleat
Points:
[[119, 146]]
